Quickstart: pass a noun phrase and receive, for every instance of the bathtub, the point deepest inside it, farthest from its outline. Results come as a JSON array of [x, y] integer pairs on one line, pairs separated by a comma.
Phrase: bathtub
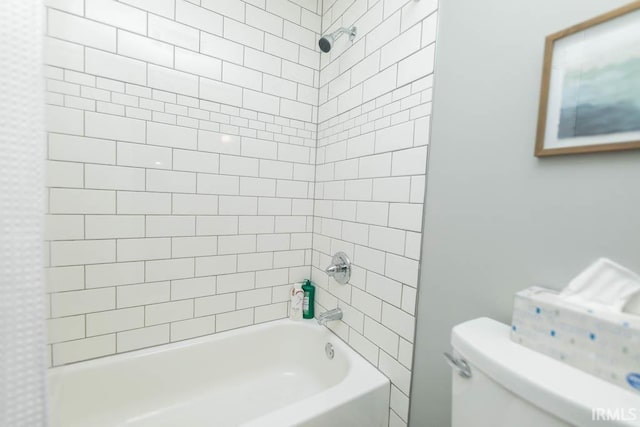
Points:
[[271, 375]]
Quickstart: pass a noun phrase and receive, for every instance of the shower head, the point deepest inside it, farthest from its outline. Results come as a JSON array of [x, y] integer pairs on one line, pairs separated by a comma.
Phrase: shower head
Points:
[[326, 42]]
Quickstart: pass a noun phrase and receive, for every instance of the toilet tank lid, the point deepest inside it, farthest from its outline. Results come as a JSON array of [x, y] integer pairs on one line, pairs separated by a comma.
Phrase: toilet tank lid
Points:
[[557, 388]]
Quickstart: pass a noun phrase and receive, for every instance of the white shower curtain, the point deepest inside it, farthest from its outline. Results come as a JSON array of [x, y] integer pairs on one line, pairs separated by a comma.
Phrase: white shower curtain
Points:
[[22, 149]]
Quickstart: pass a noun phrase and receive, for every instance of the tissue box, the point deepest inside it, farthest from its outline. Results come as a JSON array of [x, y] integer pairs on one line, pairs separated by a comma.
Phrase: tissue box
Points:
[[605, 344]]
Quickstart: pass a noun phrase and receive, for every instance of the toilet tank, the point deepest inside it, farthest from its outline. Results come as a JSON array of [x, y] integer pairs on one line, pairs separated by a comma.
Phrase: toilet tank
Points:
[[511, 385]]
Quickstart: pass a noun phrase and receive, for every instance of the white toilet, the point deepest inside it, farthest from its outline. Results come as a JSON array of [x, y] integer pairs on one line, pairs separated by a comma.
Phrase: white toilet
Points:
[[513, 386]]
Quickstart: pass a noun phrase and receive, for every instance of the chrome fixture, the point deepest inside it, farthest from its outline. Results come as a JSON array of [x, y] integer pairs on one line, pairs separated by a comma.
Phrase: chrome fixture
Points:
[[326, 42], [335, 314], [340, 268], [459, 364], [329, 351]]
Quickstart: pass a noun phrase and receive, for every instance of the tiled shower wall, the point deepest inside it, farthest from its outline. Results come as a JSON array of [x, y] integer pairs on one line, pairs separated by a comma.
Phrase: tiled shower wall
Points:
[[375, 105], [185, 140], [181, 162]]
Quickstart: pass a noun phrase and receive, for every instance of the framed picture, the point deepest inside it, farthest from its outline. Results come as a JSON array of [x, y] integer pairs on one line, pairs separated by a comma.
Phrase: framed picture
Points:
[[590, 97]]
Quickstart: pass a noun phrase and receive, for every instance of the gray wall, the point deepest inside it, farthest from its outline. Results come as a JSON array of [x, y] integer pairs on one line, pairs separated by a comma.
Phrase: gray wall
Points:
[[497, 218]]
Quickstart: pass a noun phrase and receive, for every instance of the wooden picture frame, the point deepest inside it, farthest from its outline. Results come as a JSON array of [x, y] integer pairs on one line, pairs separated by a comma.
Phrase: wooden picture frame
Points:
[[590, 95]]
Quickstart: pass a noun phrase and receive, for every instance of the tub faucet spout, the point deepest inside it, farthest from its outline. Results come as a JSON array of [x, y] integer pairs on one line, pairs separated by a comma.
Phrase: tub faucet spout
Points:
[[335, 314]]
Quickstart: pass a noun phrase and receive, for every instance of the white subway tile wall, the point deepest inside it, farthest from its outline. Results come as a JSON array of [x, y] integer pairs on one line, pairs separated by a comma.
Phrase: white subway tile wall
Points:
[[203, 155], [181, 167], [374, 111]]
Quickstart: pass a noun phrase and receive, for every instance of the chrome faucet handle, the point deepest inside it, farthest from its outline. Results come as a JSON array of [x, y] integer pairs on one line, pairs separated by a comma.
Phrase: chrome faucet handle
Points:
[[340, 268], [333, 269]]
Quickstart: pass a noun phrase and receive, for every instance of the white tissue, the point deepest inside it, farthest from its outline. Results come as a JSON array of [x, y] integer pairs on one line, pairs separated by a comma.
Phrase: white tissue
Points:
[[605, 285]]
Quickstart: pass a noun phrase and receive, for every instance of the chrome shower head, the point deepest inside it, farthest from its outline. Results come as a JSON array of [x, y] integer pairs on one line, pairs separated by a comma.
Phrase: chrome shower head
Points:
[[326, 42]]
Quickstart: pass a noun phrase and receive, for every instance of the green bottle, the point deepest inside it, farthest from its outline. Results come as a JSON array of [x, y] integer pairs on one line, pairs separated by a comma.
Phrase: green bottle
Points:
[[309, 297]]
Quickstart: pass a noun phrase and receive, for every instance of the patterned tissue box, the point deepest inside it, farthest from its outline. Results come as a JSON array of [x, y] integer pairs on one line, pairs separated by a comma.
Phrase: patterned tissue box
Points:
[[602, 343]]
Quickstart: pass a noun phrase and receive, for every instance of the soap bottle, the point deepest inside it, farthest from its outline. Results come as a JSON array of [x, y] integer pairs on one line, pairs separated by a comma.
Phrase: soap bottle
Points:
[[297, 298], [309, 298]]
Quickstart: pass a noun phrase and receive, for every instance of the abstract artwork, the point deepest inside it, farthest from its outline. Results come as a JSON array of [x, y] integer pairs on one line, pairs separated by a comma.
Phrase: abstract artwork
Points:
[[590, 98]]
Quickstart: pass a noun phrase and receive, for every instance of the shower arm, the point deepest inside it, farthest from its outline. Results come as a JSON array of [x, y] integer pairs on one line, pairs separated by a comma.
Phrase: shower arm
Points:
[[343, 30]]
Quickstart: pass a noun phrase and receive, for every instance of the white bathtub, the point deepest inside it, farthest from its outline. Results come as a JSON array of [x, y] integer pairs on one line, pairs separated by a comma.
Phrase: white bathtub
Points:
[[272, 375]]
